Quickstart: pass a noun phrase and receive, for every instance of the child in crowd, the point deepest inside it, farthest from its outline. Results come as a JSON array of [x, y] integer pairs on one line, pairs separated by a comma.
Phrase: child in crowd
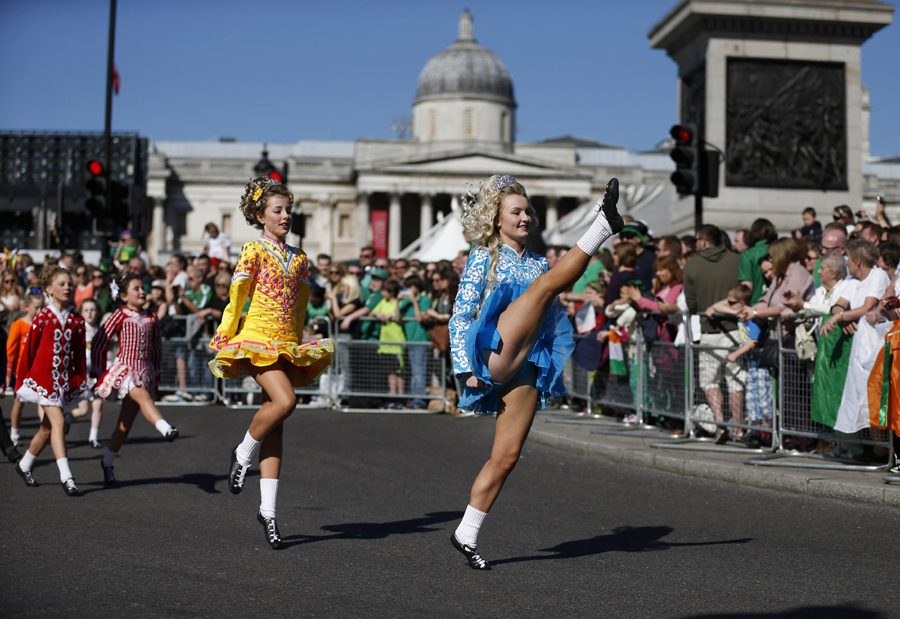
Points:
[[316, 311], [391, 355], [90, 311], [758, 396], [811, 226], [54, 373], [15, 346], [413, 305]]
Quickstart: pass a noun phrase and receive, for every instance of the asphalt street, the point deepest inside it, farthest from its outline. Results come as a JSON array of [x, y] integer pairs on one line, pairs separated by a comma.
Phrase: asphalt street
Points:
[[366, 506]]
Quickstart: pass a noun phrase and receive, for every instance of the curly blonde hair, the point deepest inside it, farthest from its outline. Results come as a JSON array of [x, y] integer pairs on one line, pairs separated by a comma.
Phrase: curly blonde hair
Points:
[[253, 202], [481, 211], [48, 274]]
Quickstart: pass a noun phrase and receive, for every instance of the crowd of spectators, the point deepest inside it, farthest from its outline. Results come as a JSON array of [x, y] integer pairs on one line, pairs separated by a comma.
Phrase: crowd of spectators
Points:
[[827, 285]]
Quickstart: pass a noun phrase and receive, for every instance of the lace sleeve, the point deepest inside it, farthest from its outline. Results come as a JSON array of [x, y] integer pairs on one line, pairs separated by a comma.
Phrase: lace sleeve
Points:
[[472, 285]]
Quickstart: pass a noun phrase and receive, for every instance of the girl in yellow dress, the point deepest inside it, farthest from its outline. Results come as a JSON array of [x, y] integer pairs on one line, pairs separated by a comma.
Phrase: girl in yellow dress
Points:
[[268, 344]]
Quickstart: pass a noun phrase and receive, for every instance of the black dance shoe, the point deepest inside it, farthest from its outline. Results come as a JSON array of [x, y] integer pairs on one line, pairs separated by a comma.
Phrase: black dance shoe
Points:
[[12, 454], [476, 561], [95, 444], [69, 487], [109, 477], [608, 204], [172, 434], [236, 474], [27, 476], [271, 527]]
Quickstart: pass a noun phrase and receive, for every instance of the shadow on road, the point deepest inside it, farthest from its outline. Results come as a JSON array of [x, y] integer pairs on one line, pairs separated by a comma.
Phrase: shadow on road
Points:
[[623, 539], [203, 481], [843, 611], [376, 530]]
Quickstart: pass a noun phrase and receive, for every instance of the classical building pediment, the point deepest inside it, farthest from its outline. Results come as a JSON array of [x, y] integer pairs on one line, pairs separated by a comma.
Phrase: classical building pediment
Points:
[[478, 164]]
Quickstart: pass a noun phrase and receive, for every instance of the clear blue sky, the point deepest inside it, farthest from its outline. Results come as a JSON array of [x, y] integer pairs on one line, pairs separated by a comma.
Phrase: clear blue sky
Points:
[[284, 71]]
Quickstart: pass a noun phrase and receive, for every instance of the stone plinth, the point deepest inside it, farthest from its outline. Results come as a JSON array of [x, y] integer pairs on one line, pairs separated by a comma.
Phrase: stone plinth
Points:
[[776, 85]]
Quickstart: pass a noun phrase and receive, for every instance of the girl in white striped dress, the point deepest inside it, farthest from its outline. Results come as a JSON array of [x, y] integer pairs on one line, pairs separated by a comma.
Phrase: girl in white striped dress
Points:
[[135, 371]]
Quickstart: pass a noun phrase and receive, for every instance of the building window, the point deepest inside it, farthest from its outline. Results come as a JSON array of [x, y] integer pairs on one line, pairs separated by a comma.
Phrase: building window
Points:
[[470, 123], [344, 229], [504, 127], [226, 224], [432, 124]]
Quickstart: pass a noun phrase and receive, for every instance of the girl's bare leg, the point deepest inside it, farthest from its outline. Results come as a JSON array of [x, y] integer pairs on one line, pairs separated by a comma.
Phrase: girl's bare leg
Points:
[[15, 417], [270, 451], [514, 419], [127, 416], [279, 400], [81, 410], [146, 404], [96, 413]]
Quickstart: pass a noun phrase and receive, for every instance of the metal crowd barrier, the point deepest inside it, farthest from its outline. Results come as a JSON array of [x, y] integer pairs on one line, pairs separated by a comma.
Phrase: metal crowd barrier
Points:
[[244, 393], [376, 376], [185, 365], [736, 396], [795, 421], [654, 384]]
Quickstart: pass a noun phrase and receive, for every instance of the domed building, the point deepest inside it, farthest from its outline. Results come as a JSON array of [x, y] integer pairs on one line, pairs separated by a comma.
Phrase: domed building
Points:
[[465, 96], [393, 194]]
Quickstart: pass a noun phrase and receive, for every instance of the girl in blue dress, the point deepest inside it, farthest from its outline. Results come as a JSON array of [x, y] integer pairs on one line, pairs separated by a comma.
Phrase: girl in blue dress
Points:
[[509, 335]]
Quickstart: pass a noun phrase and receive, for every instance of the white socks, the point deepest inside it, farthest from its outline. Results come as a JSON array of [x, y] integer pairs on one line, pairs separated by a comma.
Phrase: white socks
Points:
[[94, 433], [64, 471], [27, 461], [109, 457], [163, 427], [247, 450], [14, 435], [268, 496], [467, 531], [596, 235]]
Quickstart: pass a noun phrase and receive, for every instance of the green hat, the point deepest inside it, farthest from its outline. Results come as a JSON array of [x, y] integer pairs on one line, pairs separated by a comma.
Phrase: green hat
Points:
[[379, 273], [633, 230]]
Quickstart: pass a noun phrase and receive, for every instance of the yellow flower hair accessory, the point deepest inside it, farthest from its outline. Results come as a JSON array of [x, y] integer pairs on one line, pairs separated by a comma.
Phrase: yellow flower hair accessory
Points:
[[257, 194]]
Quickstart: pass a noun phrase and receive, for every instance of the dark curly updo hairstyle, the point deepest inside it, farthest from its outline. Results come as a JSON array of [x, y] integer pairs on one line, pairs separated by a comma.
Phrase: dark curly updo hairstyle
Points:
[[253, 202], [122, 282]]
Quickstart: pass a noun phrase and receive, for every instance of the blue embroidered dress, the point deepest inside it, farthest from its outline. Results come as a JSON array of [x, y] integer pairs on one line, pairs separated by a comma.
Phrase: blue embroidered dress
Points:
[[473, 327]]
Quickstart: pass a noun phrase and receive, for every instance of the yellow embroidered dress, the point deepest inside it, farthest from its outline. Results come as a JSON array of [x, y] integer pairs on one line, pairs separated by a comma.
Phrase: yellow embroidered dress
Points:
[[276, 279]]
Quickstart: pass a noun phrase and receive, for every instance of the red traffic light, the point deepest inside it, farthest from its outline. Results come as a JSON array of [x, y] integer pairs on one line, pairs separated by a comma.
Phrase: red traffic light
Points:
[[95, 167], [275, 176], [683, 134]]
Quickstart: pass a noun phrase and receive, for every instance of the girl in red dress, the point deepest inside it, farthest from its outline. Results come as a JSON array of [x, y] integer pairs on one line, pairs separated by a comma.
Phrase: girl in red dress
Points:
[[135, 372], [55, 375]]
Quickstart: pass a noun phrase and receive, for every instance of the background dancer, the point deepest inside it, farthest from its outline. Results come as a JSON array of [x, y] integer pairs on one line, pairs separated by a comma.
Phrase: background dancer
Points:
[[15, 346], [268, 346], [509, 335], [54, 373], [90, 311], [135, 372]]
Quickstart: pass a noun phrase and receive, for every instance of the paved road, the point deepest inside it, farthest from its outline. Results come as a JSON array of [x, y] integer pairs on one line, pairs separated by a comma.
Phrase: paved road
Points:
[[367, 505]]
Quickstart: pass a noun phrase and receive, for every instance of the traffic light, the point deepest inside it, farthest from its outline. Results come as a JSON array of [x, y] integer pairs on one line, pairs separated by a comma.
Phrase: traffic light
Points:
[[686, 154], [95, 186]]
